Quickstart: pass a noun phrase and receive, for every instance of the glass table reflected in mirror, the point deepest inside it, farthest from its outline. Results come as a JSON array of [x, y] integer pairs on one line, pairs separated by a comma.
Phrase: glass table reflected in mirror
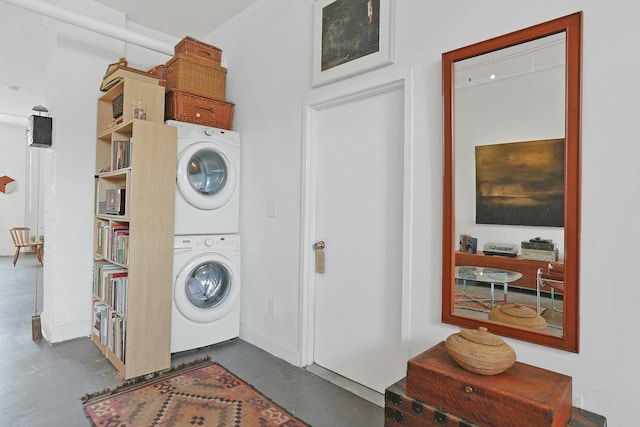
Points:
[[492, 276], [475, 297]]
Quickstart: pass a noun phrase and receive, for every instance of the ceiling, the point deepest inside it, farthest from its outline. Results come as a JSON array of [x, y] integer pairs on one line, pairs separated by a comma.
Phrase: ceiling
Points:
[[195, 18], [532, 56], [21, 82]]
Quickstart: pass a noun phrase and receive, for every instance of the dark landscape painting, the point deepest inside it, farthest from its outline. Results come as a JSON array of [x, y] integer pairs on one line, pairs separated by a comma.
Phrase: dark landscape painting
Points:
[[521, 183], [350, 30]]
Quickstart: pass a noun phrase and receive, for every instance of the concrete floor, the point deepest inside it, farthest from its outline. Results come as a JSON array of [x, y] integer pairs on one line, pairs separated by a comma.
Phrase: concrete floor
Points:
[[41, 383]]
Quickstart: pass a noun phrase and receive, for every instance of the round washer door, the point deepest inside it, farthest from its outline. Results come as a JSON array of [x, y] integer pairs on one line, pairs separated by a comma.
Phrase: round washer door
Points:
[[205, 176], [206, 288]]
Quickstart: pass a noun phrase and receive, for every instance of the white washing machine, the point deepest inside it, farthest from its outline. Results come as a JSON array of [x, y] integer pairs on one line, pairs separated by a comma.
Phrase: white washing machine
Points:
[[207, 180], [206, 290]]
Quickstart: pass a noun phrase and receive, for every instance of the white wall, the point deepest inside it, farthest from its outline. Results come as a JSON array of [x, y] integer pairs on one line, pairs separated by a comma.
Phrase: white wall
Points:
[[21, 35], [522, 108], [267, 49], [13, 158], [71, 62]]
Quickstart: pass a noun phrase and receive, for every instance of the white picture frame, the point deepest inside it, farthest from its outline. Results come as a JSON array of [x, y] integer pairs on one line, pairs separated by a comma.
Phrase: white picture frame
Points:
[[329, 24]]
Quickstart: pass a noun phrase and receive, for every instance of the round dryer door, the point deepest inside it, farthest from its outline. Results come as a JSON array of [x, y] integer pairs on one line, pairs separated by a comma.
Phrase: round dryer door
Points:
[[205, 176], [206, 289]]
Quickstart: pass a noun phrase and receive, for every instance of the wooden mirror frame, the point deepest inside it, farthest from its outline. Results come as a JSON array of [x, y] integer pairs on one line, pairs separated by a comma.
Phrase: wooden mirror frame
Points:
[[571, 25]]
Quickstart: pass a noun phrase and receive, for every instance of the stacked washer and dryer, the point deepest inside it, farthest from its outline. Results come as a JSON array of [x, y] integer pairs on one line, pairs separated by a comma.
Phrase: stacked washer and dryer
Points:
[[206, 270]]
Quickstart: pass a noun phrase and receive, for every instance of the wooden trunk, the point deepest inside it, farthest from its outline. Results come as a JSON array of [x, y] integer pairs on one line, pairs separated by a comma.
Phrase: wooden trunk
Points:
[[522, 395], [401, 410]]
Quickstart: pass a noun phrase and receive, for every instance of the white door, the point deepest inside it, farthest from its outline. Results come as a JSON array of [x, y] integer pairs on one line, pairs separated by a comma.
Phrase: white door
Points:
[[359, 212]]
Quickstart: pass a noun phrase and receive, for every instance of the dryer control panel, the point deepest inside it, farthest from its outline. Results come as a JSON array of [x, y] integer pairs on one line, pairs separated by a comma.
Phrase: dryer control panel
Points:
[[225, 242]]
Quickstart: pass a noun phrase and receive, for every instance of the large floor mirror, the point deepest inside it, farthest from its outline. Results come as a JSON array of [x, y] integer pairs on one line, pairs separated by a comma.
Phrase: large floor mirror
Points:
[[511, 225]]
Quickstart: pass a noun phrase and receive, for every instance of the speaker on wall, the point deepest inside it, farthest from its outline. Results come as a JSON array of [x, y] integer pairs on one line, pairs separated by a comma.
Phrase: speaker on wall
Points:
[[39, 131]]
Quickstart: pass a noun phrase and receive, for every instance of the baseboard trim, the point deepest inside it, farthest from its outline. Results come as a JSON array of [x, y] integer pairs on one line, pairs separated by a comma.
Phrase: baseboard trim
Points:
[[282, 351], [59, 333], [345, 383]]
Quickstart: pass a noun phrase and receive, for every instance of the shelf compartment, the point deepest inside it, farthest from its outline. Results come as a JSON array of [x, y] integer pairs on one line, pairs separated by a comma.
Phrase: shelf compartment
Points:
[[108, 333], [132, 90], [106, 188]]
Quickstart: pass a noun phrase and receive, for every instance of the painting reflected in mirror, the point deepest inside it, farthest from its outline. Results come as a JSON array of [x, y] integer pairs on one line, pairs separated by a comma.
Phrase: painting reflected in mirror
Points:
[[512, 184], [520, 183]]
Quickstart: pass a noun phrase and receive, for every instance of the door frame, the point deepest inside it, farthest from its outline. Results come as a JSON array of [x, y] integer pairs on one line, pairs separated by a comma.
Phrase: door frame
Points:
[[311, 111]]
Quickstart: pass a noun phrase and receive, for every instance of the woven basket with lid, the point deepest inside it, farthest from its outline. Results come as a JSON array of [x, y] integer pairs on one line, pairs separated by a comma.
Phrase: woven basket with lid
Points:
[[480, 352], [518, 315]]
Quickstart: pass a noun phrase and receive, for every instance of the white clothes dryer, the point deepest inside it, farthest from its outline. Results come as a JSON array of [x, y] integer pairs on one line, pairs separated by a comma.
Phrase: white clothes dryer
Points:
[[207, 180], [206, 290]]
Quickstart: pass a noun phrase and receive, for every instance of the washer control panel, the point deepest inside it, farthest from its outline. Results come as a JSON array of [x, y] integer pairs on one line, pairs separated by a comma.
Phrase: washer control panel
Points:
[[226, 242]]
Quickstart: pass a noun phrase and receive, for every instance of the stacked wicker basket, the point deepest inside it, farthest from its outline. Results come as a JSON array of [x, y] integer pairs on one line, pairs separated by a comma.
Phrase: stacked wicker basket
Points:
[[195, 86]]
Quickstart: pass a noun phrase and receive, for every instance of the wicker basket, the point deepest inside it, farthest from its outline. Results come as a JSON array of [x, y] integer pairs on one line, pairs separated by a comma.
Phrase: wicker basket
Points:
[[191, 108], [518, 315], [198, 76], [193, 47], [480, 352]]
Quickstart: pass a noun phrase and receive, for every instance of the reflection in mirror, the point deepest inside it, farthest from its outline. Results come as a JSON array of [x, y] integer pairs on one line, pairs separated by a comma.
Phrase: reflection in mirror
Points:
[[508, 105], [512, 184]]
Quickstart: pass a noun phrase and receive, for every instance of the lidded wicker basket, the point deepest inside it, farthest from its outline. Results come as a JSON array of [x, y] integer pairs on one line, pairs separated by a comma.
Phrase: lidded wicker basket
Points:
[[193, 47], [191, 108], [480, 352], [518, 315], [197, 76]]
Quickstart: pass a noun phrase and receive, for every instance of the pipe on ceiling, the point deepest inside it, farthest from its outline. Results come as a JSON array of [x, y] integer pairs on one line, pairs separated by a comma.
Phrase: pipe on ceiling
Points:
[[92, 24], [11, 119]]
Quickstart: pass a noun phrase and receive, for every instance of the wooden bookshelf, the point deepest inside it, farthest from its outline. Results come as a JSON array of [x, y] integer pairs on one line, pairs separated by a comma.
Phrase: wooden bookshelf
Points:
[[149, 182]]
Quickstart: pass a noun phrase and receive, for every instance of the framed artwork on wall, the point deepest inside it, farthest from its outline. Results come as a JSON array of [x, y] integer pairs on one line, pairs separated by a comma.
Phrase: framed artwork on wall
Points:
[[350, 37]]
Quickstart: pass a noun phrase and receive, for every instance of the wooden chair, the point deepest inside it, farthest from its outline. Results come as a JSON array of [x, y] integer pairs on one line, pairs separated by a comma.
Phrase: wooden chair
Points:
[[554, 279], [22, 239]]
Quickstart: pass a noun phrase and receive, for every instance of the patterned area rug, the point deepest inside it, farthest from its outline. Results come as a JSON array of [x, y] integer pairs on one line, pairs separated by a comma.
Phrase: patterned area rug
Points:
[[200, 394], [482, 303]]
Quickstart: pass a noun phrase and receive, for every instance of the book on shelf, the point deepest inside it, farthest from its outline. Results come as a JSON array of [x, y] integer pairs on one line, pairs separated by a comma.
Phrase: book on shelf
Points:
[[110, 306], [101, 321], [111, 317], [107, 275], [117, 291], [120, 246], [116, 335], [121, 154], [123, 339], [98, 308], [102, 238], [112, 241]]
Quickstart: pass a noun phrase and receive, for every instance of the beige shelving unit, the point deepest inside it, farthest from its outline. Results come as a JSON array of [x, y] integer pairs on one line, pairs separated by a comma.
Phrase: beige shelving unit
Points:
[[149, 181]]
